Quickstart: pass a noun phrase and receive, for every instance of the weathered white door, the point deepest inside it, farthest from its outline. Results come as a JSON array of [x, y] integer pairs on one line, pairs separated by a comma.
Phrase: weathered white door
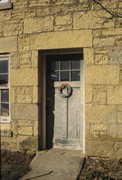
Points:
[[64, 115]]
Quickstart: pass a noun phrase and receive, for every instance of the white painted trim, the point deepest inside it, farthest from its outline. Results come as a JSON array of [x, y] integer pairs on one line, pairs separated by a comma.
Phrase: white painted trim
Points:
[[4, 1], [72, 83], [6, 119]]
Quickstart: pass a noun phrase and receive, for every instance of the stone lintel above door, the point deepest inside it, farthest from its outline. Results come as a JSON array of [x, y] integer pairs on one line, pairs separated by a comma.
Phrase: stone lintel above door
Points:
[[59, 40]]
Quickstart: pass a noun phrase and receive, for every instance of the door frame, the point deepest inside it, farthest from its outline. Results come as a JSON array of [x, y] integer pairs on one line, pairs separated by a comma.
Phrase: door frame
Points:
[[42, 91]]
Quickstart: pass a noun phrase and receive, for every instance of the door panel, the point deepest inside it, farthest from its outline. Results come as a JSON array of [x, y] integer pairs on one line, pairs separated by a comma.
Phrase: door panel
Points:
[[60, 114], [64, 115], [74, 114]]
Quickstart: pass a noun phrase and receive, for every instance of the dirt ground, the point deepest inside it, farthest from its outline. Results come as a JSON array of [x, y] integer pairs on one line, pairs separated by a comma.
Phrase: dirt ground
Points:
[[15, 164], [95, 168]]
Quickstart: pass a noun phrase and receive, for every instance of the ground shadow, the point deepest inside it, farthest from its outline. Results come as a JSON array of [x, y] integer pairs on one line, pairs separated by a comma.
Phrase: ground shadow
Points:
[[40, 175]]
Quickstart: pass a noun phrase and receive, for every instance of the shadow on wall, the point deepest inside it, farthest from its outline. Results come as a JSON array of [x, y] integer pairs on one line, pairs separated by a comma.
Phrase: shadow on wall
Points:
[[50, 92]]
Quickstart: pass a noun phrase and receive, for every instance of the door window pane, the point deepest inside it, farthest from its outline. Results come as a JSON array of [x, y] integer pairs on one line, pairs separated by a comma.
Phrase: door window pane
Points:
[[65, 65], [4, 109], [3, 79], [54, 76], [64, 76], [54, 65], [75, 64], [75, 76], [4, 96], [3, 66]]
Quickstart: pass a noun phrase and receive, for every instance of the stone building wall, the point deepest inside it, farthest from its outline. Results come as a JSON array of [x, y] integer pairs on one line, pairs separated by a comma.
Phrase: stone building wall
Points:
[[30, 26]]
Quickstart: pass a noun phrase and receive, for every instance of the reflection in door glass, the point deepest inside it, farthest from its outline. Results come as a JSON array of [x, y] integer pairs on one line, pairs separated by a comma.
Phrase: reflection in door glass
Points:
[[4, 109], [3, 79], [54, 65], [76, 64], [54, 76], [65, 65], [64, 76], [75, 76], [3, 66], [4, 96]]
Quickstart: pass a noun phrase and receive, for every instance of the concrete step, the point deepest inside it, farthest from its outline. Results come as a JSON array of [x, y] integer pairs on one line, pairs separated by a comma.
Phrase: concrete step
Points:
[[55, 164]]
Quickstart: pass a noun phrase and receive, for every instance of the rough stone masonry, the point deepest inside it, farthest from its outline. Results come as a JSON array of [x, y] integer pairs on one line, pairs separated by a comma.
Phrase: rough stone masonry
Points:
[[29, 26]]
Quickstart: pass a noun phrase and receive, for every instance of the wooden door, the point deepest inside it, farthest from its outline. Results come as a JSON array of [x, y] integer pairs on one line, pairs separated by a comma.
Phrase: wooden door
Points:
[[64, 115]]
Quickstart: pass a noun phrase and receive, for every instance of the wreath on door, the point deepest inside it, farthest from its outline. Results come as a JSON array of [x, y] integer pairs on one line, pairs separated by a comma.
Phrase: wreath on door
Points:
[[69, 90]]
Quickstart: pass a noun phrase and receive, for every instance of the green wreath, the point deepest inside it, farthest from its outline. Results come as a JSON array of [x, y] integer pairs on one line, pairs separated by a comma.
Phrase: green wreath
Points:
[[69, 90]]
